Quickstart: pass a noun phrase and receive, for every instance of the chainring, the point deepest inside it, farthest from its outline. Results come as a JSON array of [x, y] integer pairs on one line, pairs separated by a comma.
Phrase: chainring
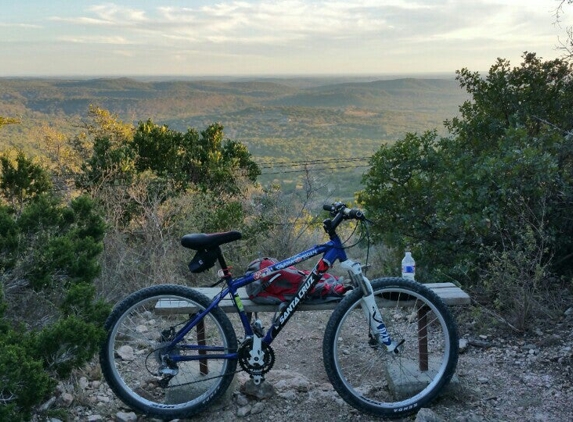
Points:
[[245, 354]]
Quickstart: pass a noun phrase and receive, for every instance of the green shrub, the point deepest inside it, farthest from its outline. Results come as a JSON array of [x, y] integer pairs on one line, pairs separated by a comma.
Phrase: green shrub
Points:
[[460, 201], [50, 321], [23, 381]]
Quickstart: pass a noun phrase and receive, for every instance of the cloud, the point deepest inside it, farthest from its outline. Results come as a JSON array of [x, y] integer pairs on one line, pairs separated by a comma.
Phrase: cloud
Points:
[[259, 22], [107, 15], [19, 25], [294, 22], [298, 35], [115, 40]]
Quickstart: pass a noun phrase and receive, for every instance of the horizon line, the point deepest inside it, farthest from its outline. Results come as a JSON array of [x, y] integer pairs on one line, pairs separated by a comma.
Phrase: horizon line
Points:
[[232, 76]]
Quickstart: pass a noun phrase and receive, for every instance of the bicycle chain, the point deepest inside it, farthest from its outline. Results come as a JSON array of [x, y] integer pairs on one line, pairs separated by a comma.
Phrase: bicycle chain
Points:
[[244, 355]]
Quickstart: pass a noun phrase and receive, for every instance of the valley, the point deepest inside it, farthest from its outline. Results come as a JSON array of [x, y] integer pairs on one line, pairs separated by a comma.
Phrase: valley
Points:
[[319, 127]]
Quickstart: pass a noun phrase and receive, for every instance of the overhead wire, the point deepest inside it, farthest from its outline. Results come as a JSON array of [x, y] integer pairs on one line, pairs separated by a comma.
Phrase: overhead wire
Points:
[[305, 164], [264, 164]]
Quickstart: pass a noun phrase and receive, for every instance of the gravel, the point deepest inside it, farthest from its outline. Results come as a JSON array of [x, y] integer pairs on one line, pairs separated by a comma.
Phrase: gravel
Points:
[[501, 376]]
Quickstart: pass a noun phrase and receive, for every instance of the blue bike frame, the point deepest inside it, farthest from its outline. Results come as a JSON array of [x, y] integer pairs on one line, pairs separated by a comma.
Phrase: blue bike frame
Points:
[[332, 251]]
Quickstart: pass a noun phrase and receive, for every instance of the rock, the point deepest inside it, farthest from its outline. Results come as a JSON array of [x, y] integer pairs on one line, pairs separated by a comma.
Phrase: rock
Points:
[[103, 399], [242, 400], [480, 343], [264, 390], [288, 395], [126, 353], [463, 345], [258, 407], [66, 399], [95, 418], [243, 411], [125, 417], [291, 381], [469, 418], [83, 383], [541, 417], [427, 415], [47, 404]]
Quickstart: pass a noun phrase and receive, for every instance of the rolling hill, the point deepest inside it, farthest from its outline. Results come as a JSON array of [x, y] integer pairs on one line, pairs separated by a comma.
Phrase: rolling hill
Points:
[[281, 120]]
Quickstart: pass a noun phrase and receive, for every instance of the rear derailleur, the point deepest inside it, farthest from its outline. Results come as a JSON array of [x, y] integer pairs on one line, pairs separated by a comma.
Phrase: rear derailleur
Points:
[[167, 367]]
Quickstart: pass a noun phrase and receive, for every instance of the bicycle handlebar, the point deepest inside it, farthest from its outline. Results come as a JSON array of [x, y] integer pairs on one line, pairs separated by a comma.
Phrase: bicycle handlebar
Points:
[[347, 213]]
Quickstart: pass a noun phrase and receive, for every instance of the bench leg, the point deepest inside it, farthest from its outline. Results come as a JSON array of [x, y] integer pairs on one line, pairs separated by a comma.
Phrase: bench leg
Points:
[[423, 337], [203, 366]]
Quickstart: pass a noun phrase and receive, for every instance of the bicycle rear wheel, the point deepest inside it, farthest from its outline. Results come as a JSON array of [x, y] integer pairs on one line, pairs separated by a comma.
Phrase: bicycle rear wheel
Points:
[[141, 369], [391, 384]]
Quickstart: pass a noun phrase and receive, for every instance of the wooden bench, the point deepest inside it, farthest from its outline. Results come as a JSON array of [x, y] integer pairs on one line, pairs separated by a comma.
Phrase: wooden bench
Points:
[[448, 292]]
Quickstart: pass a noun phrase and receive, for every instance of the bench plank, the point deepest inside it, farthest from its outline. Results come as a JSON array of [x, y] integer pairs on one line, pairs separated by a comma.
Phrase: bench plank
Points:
[[448, 292]]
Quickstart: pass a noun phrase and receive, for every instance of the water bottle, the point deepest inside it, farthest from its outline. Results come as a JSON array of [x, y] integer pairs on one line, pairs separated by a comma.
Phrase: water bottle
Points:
[[408, 267]]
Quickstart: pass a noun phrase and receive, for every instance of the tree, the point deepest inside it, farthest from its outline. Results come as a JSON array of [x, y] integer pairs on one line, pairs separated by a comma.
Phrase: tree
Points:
[[205, 160], [155, 161], [22, 180], [507, 164], [566, 46]]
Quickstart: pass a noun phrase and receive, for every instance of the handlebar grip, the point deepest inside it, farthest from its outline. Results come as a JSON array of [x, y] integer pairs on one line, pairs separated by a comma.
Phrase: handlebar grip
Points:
[[338, 207], [354, 213]]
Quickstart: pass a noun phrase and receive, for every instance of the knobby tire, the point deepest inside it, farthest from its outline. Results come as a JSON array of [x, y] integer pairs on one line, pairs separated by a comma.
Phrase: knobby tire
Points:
[[137, 331], [383, 383]]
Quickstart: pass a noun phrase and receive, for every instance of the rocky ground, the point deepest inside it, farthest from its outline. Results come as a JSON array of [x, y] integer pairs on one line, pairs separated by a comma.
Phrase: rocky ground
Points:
[[502, 376]]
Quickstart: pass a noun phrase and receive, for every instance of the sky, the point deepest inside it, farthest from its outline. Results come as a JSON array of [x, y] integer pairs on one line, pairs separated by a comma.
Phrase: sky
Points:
[[272, 37]]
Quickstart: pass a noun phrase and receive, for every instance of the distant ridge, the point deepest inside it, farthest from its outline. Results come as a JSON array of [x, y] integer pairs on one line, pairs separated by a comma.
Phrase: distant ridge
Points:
[[125, 95], [279, 119]]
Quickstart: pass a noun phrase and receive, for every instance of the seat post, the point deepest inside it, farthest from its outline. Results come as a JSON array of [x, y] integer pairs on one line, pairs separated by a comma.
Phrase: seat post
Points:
[[222, 262]]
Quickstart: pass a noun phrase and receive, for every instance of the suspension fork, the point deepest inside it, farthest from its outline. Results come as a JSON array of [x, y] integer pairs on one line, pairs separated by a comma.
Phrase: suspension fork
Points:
[[369, 307]]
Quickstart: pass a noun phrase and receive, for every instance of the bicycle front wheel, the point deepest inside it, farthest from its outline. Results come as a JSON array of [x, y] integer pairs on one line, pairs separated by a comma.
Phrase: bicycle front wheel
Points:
[[391, 384], [149, 375]]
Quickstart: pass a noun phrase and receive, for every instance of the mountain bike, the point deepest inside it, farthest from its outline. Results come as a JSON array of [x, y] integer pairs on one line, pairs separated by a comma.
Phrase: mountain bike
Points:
[[389, 347]]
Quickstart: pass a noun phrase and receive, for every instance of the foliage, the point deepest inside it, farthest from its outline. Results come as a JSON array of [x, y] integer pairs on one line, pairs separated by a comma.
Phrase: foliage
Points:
[[154, 162], [451, 198], [22, 179], [24, 383], [66, 344], [516, 277], [50, 320], [7, 121], [187, 159]]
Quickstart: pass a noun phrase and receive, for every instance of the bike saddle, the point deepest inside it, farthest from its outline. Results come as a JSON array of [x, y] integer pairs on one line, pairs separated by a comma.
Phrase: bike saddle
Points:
[[197, 241]]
